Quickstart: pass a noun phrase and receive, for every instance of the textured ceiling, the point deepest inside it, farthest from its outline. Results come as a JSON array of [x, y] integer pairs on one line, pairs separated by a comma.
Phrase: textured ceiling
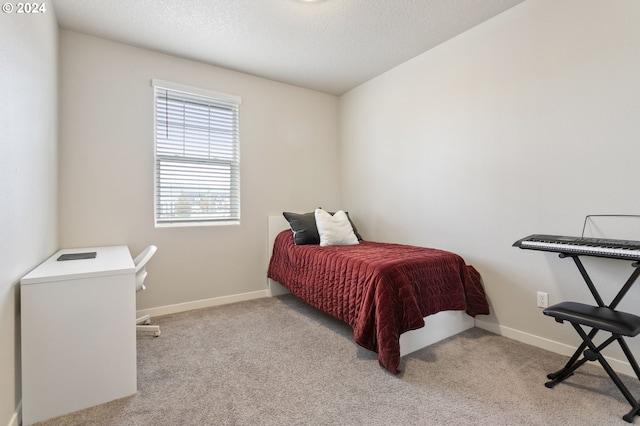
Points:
[[328, 45]]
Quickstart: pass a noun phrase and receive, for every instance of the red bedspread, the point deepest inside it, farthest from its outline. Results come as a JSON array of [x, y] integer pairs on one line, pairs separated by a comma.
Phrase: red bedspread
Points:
[[381, 290]]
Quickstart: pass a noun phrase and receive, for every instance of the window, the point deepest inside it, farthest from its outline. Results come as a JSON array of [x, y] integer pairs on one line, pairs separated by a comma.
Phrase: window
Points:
[[197, 177]]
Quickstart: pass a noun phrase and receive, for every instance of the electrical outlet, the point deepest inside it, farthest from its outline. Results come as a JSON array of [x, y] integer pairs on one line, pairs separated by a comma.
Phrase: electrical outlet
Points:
[[543, 299]]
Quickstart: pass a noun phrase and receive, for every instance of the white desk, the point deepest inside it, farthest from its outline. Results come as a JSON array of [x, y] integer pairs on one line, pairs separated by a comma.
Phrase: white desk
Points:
[[78, 333]]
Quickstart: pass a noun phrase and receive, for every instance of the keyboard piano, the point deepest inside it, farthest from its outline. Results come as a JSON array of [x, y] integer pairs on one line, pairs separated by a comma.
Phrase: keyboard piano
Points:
[[599, 247]]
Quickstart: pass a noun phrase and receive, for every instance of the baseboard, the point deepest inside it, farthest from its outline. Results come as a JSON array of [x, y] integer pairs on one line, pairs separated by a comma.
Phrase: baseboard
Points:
[[16, 419], [560, 348], [199, 304]]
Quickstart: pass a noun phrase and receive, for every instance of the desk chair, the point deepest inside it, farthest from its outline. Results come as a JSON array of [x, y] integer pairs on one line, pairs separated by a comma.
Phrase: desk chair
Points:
[[599, 318], [143, 323]]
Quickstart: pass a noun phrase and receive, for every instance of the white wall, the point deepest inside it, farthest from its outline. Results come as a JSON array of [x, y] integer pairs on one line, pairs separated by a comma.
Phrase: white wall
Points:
[[289, 145], [28, 176], [522, 125]]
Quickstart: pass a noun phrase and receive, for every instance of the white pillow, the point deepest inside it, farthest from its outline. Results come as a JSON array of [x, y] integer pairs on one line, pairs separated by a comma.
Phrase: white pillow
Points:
[[334, 230]]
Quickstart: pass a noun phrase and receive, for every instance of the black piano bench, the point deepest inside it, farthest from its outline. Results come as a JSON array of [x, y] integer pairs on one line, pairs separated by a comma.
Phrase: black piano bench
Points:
[[619, 324]]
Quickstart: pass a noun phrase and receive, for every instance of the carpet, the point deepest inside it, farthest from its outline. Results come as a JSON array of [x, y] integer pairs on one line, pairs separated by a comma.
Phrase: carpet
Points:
[[277, 361]]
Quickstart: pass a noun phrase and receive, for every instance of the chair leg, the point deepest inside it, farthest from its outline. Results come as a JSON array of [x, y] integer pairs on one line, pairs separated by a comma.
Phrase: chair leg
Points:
[[593, 353], [142, 324], [630, 357], [567, 370], [146, 319], [636, 407], [154, 328]]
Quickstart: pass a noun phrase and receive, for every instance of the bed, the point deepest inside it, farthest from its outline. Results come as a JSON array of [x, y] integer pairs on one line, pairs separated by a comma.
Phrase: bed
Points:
[[383, 291]]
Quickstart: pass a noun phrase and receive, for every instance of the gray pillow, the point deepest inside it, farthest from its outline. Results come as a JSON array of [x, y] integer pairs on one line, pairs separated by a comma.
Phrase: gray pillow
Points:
[[304, 227], [305, 230]]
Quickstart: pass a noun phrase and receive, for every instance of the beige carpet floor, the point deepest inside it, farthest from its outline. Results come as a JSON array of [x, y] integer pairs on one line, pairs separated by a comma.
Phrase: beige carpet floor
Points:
[[276, 361]]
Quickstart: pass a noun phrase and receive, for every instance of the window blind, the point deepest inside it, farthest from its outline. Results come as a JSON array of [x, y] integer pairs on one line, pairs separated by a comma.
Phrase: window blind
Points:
[[197, 176]]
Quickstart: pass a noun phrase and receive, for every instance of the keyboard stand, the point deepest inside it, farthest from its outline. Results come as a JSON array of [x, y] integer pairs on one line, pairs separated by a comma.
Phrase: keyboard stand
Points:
[[601, 317]]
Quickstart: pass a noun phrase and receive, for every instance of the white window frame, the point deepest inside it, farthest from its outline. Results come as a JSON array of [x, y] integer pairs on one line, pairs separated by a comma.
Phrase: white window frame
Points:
[[191, 138]]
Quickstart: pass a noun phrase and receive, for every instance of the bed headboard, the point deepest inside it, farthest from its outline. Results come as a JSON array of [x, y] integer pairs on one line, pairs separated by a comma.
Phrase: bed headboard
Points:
[[275, 225]]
